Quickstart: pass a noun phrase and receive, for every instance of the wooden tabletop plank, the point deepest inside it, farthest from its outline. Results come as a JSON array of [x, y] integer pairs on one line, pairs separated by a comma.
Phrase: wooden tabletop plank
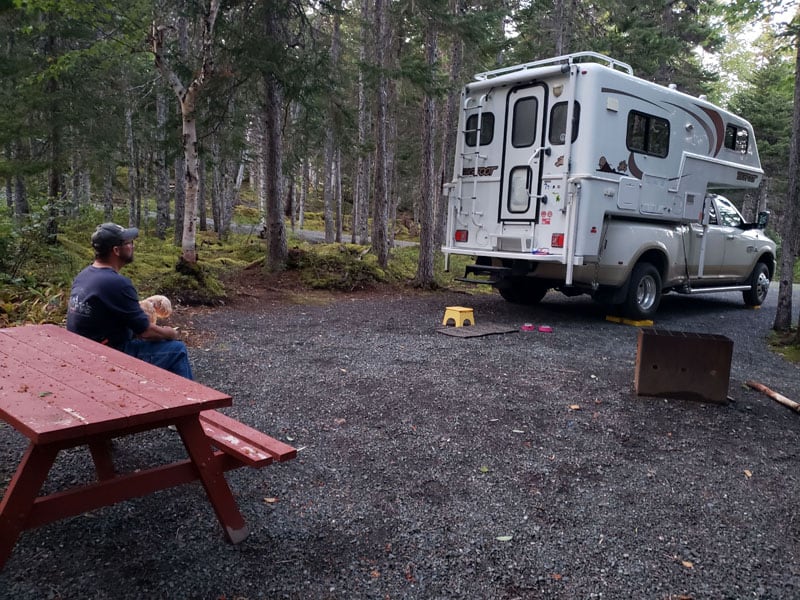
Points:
[[122, 368], [55, 385], [156, 387], [40, 406]]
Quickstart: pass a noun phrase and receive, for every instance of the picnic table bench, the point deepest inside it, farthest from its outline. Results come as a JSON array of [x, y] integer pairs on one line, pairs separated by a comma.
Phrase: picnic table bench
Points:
[[61, 390]]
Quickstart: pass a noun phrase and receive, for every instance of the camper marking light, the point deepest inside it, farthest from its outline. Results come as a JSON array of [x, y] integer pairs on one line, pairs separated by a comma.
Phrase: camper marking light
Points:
[[557, 241], [462, 235]]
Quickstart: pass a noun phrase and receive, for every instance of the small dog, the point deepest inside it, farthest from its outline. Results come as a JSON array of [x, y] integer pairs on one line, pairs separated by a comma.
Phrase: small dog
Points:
[[156, 307]]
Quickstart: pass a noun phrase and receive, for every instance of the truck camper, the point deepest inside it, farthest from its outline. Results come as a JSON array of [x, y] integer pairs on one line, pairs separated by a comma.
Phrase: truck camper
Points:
[[573, 174]]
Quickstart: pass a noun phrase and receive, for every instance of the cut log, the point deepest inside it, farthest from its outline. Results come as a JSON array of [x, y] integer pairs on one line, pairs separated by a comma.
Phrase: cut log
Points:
[[795, 406]]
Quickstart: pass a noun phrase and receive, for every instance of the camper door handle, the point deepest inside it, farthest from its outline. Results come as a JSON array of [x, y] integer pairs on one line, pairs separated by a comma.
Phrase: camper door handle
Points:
[[538, 151]]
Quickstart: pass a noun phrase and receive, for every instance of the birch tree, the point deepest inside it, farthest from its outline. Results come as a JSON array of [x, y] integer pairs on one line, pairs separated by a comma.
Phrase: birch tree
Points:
[[187, 96]]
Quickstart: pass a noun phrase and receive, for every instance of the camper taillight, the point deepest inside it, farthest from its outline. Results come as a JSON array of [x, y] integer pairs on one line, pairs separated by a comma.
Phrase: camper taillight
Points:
[[461, 235], [557, 240]]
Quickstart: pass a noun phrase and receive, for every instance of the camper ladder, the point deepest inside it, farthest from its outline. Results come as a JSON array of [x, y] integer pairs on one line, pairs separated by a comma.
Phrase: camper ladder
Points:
[[474, 155]]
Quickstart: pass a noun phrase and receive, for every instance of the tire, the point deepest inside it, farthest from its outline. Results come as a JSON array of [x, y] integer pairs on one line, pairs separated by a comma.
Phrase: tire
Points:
[[644, 292], [522, 290], [759, 286]]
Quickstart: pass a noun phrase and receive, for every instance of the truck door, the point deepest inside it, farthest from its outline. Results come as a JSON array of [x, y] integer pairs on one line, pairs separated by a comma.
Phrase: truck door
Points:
[[520, 187], [707, 244], [739, 248]]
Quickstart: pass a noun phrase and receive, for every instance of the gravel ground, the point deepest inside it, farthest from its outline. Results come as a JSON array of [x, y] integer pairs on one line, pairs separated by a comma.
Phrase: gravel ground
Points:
[[432, 466]]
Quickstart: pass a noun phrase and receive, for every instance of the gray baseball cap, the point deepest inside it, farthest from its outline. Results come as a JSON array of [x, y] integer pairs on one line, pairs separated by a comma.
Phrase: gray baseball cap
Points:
[[109, 235]]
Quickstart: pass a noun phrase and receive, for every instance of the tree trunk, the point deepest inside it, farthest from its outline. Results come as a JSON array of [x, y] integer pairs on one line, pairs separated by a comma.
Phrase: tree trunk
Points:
[[301, 205], [783, 314], [180, 199], [425, 277], [187, 98], [201, 195], [162, 170], [132, 181], [361, 195], [108, 190], [327, 192], [380, 211], [21, 207], [337, 178], [448, 125]]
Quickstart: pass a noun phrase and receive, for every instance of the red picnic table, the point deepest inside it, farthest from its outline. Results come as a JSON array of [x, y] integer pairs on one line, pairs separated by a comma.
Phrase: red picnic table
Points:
[[61, 390]]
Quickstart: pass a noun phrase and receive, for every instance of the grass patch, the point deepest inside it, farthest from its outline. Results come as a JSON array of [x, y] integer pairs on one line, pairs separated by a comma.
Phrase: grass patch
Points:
[[786, 344]]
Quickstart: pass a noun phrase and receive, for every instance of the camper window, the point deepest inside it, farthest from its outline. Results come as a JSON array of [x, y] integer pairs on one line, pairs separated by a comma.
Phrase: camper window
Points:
[[486, 127], [518, 199], [647, 134], [523, 129], [736, 138], [558, 123]]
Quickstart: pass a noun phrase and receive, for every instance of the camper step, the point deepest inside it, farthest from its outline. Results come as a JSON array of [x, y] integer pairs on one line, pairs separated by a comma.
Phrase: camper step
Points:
[[491, 274]]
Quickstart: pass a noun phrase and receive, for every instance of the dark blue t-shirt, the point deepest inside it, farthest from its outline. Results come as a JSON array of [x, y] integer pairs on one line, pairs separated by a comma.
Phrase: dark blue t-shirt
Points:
[[104, 307]]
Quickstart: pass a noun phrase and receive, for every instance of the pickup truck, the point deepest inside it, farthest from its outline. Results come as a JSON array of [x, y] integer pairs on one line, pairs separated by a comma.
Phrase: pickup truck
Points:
[[641, 260]]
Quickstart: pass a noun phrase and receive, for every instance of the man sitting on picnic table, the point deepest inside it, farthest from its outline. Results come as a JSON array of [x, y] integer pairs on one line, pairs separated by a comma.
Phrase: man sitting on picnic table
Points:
[[104, 306]]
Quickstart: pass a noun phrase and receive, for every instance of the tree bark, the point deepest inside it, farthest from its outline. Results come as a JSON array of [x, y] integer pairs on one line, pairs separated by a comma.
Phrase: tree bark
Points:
[[380, 211], [327, 192], [425, 276], [180, 198], [783, 314], [162, 170], [108, 190], [361, 195], [132, 179]]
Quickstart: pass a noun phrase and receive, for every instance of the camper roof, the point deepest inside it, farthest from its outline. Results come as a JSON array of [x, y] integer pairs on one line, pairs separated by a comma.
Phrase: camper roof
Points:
[[566, 59]]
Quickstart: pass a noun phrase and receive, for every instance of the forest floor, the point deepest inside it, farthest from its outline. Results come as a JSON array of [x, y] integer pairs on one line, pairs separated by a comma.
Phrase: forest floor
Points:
[[514, 465]]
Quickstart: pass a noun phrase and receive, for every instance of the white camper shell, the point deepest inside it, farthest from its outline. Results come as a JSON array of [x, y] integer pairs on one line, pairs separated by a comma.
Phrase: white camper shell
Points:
[[571, 171]]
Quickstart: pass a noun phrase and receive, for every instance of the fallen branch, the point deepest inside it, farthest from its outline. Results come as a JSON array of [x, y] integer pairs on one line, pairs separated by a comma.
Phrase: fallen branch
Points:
[[795, 406]]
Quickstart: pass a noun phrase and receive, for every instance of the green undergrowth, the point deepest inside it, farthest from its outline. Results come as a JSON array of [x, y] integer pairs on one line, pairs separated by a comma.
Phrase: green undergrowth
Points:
[[35, 277]]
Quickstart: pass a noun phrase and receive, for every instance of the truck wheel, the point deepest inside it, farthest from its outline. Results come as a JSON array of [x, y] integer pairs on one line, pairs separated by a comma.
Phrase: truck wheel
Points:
[[522, 290], [644, 292], [759, 286]]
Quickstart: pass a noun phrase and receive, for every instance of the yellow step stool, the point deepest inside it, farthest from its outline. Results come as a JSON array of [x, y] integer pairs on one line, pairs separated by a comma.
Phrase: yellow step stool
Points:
[[459, 315]]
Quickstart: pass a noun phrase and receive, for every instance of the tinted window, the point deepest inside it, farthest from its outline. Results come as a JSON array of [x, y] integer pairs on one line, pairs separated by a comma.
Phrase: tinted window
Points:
[[523, 128], [558, 123], [647, 134], [486, 127], [736, 138]]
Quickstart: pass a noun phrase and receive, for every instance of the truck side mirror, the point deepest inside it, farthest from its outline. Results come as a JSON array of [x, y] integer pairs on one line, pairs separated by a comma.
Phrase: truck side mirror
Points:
[[763, 219]]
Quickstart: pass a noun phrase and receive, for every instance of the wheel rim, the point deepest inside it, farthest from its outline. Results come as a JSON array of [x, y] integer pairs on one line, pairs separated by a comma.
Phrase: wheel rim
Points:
[[762, 286], [646, 293]]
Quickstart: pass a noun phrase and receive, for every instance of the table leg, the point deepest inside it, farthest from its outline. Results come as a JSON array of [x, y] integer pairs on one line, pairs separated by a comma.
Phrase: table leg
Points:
[[22, 491], [103, 463], [219, 493]]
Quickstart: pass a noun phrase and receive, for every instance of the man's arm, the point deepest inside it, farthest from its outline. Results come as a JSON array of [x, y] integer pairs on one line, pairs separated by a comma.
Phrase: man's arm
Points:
[[159, 332]]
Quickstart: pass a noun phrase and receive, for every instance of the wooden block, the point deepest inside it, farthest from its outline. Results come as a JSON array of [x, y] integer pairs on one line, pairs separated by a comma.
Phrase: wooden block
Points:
[[676, 364]]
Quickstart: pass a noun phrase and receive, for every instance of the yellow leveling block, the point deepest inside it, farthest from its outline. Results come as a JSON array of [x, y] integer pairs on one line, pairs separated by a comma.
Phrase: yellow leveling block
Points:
[[459, 315], [644, 323]]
